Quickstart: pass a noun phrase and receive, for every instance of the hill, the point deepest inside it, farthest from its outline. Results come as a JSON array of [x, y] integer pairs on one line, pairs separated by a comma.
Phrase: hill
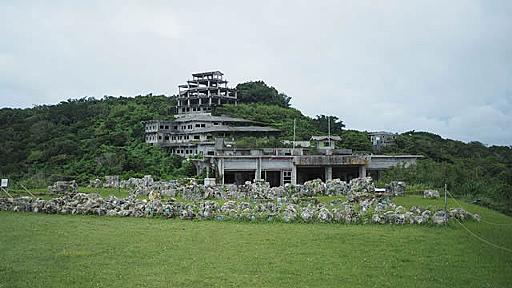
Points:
[[84, 138], [87, 138]]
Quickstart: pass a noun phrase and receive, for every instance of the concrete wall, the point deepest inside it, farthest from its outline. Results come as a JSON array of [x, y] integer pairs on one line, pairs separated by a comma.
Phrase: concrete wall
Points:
[[380, 162]]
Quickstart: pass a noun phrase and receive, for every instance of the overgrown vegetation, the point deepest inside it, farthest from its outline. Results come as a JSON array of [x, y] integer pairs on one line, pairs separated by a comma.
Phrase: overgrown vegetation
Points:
[[471, 170], [85, 138], [259, 92]]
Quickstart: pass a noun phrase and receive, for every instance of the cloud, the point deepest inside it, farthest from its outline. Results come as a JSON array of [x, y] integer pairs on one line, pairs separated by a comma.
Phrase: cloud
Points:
[[437, 66]]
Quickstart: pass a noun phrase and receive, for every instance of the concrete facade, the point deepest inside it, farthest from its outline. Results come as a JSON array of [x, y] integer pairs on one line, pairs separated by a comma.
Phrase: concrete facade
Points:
[[194, 130], [381, 139], [283, 166]]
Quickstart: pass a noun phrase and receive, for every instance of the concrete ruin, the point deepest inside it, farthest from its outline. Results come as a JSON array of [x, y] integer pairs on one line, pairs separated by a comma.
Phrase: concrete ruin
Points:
[[195, 131], [281, 166], [382, 139], [63, 187]]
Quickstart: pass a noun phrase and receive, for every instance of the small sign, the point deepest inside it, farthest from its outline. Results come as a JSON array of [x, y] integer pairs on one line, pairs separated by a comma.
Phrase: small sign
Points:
[[4, 183]]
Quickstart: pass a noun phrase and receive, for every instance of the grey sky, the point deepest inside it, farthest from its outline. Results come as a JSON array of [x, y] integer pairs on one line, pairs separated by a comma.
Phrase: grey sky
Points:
[[440, 66]]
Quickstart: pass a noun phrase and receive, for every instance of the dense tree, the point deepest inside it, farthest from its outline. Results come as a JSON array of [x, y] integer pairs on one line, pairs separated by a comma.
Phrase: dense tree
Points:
[[279, 117], [356, 140], [322, 122], [84, 138], [473, 170], [259, 92]]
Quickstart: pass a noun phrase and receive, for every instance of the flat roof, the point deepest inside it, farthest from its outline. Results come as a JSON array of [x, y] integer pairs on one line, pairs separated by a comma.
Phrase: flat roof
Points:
[[382, 133], [231, 129], [210, 118], [199, 74], [320, 138], [397, 156]]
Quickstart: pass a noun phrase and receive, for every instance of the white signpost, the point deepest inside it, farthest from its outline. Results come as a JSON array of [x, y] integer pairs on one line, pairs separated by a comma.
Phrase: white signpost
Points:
[[4, 183]]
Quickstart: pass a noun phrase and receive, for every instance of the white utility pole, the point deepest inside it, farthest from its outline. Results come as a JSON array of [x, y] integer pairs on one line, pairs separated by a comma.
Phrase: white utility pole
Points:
[[294, 127], [329, 128]]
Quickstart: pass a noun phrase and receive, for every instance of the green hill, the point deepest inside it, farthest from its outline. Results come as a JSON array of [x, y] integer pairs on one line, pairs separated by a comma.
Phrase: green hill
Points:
[[86, 138]]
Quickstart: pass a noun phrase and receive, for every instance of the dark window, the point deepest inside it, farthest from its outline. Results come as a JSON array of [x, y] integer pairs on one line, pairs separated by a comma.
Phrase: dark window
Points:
[[196, 137]]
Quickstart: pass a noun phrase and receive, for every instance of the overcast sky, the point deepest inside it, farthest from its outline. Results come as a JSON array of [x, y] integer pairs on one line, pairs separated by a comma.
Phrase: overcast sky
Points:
[[439, 66]]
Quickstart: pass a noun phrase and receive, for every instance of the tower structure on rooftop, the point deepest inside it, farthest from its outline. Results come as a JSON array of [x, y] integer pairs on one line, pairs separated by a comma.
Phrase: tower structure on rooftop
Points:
[[195, 129], [205, 91]]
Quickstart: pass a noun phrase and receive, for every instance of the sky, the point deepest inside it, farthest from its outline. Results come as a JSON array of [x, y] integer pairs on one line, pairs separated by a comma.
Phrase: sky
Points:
[[438, 66]]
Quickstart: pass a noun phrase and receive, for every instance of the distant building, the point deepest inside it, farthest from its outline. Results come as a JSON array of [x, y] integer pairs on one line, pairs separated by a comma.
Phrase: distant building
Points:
[[382, 139], [325, 142], [194, 130]]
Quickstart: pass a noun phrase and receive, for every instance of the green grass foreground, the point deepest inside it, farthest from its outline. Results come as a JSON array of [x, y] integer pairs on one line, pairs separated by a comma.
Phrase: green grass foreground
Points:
[[38, 250]]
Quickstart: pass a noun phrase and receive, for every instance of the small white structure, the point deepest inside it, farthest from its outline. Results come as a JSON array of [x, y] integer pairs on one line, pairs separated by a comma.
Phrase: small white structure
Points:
[[4, 183], [209, 182]]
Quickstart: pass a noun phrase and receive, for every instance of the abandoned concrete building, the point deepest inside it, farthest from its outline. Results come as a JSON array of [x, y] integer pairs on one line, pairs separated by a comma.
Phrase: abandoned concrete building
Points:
[[195, 131], [381, 139], [280, 166], [205, 91], [195, 128]]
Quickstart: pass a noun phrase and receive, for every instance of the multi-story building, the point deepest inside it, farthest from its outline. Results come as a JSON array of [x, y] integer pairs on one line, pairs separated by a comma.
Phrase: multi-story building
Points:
[[381, 139], [194, 130], [205, 91]]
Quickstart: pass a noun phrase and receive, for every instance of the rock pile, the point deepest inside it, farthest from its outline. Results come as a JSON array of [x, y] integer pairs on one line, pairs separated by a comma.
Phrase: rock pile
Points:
[[63, 187], [96, 183], [370, 210], [248, 202], [111, 181], [431, 194], [396, 188]]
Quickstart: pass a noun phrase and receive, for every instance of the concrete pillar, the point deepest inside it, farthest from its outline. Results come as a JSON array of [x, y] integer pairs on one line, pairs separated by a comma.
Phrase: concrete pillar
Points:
[[221, 170], [294, 174], [258, 169], [362, 171], [328, 173]]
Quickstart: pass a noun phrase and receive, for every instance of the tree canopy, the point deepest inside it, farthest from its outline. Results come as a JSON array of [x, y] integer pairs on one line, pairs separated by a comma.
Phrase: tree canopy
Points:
[[84, 138], [259, 92]]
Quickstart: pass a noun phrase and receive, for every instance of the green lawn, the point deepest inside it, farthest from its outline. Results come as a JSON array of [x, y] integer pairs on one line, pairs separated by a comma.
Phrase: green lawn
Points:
[[38, 250]]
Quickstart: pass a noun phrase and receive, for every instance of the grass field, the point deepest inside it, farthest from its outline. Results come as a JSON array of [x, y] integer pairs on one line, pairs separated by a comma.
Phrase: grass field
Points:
[[38, 250]]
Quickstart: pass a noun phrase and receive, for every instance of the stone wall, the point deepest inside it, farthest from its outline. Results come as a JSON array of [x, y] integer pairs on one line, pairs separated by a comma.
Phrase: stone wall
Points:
[[249, 202]]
